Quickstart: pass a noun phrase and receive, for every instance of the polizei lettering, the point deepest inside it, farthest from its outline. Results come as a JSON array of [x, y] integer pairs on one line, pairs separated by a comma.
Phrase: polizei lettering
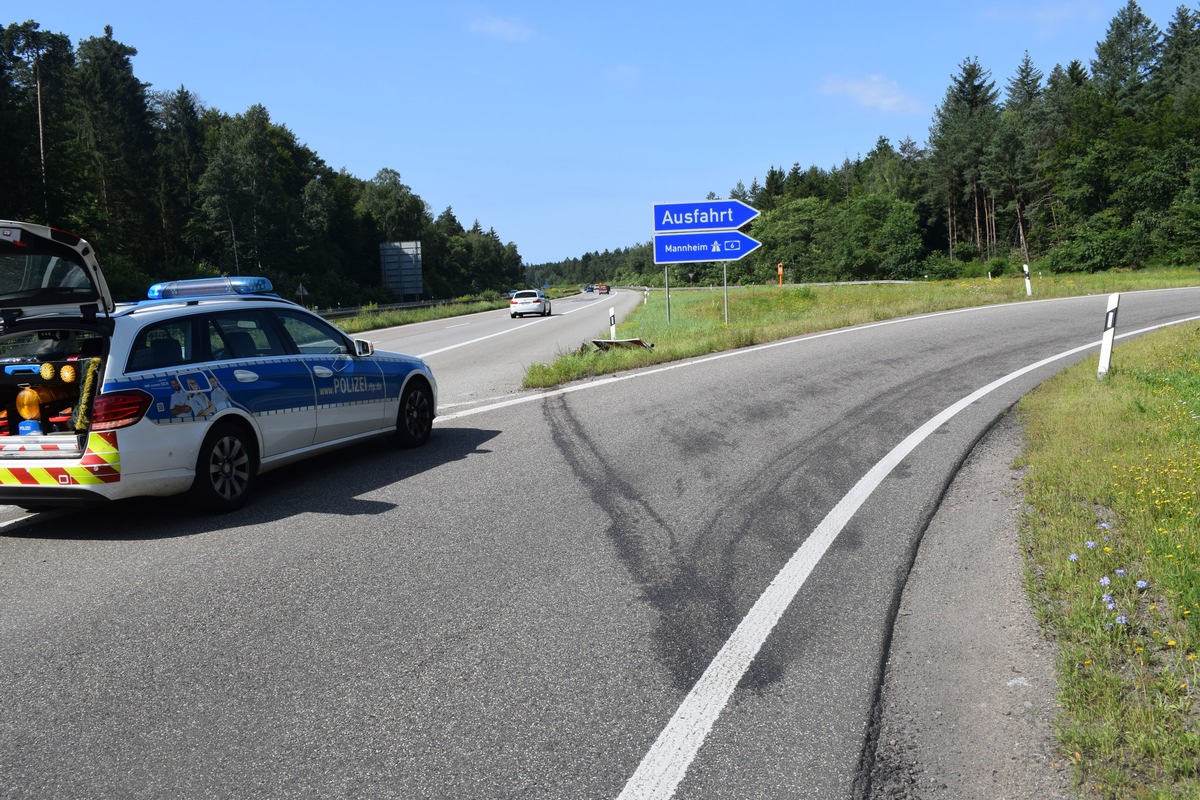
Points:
[[699, 216], [350, 384]]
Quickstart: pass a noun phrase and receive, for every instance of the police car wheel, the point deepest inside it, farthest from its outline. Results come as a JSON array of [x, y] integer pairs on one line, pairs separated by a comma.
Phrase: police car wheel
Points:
[[415, 421], [225, 469]]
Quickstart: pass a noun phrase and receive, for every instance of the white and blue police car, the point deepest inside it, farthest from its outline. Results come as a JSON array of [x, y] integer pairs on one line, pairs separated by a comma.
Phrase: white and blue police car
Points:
[[197, 389]]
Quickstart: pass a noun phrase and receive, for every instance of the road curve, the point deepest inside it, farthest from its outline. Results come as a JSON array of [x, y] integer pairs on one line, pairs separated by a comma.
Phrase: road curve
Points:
[[522, 607]]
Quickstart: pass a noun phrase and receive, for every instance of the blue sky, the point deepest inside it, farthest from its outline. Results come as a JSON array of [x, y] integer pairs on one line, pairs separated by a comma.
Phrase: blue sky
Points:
[[561, 124]]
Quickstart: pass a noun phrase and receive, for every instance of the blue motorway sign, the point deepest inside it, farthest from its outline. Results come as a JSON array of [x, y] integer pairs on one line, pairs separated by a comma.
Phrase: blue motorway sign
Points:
[[705, 215], [685, 248]]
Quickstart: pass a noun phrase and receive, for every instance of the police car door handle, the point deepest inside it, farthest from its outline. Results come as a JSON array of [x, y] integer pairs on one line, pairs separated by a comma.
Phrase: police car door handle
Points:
[[323, 372], [245, 376]]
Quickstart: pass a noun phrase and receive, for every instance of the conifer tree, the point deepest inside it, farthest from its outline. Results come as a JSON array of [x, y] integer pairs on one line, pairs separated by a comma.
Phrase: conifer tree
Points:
[[1127, 58]]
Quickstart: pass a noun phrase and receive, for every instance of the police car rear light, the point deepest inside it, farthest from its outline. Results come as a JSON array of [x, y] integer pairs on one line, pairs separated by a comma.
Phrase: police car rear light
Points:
[[119, 409], [209, 287]]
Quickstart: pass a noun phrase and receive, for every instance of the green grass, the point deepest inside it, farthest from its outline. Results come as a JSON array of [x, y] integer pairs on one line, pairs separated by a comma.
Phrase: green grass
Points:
[[1112, 537], [766, 313]]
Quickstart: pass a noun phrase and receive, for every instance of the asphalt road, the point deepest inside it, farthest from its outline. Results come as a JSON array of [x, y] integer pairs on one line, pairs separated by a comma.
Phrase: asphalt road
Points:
[[481, 358], [675, 582]]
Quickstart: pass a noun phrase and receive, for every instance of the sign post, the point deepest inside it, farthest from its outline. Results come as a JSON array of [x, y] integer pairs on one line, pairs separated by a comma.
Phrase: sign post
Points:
[[725, 280], [667, 289]]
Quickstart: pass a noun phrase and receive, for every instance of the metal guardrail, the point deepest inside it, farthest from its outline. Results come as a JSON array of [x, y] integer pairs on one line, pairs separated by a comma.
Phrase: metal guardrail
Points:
[[338, 312]]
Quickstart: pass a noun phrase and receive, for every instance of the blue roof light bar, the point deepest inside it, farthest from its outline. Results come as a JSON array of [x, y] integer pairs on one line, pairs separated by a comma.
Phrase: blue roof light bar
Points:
[[209, 287]]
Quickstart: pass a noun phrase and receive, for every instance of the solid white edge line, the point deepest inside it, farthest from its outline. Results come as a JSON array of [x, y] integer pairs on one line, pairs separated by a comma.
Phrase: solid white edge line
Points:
[[664, 766]]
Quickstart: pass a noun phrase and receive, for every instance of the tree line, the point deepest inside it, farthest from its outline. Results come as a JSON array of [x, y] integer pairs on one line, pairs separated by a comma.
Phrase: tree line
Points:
[[1084, 169], [1079, 170], [165, 188]]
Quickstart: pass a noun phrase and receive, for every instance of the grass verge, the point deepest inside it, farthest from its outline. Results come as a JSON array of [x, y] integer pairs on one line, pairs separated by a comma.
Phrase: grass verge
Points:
[[766, 313], [1112, 537]]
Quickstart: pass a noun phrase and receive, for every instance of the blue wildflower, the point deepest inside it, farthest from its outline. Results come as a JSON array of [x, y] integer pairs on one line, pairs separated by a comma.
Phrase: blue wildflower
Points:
[[1104, 581]]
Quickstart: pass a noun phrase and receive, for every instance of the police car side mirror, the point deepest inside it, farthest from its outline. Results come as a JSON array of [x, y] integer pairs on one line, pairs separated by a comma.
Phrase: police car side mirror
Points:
[[363, 348]]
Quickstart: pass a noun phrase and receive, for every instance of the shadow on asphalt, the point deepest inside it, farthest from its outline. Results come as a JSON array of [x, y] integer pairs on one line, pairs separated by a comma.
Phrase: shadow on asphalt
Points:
[[330, 484]]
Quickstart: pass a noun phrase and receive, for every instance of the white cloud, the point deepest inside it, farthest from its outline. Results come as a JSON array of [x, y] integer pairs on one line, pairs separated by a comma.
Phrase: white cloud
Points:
[[1049, 19], [508, 30], [875, 91]]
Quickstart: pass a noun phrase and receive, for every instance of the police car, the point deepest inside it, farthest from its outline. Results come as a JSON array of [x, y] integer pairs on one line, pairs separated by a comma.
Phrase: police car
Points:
[[198, 389]]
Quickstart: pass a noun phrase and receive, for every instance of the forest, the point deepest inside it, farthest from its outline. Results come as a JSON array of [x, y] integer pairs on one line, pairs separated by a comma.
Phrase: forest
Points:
[[1085, 168], [167, 189]]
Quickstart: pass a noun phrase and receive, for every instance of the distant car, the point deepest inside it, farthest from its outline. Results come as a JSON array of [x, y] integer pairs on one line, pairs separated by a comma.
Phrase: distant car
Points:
[[589, 288], [602, 288], [196, 390], [529, 301]]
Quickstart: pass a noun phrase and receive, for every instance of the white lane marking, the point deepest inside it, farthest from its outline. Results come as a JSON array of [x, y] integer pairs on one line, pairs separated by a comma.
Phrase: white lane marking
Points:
[[503, 332], [473, 402], [481, 338], [666, 763]]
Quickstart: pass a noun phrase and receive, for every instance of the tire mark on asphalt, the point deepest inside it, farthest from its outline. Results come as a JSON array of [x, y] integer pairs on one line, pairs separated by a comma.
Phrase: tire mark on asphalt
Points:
[[695, 613]]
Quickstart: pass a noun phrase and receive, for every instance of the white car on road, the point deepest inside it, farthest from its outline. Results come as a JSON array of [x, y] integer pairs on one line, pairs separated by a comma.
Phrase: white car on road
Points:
[[529, 301]]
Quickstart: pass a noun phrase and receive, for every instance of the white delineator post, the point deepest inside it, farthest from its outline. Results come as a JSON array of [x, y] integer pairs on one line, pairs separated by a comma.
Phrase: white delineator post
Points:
[[612, 324], [1028, 285], [1110, 329]]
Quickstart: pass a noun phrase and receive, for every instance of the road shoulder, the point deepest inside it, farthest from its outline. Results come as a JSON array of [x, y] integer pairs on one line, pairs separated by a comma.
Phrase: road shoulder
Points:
[[968, 700]]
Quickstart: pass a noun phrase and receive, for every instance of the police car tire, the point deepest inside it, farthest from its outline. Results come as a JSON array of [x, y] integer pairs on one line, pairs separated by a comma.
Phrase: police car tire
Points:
[[225, 469], [414, 422]]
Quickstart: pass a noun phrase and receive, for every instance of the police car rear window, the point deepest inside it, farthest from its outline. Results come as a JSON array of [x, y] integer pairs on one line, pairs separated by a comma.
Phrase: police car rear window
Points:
[[161, 346], [239, 335]]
